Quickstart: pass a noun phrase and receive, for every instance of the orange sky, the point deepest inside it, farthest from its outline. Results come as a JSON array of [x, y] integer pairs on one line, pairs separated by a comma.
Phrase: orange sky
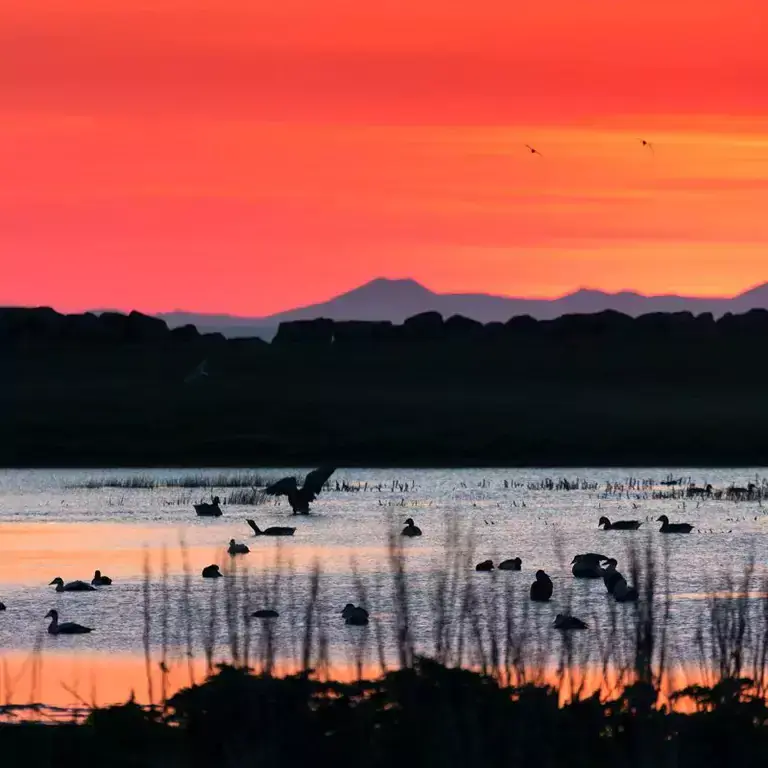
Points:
[[247, 156]]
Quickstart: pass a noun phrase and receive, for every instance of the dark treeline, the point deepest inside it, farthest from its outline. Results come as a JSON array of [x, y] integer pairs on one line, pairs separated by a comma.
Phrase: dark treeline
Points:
[[603, 389]]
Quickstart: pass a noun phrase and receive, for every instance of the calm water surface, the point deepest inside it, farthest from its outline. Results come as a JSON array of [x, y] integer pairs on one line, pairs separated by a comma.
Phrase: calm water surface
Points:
[[51, 527]]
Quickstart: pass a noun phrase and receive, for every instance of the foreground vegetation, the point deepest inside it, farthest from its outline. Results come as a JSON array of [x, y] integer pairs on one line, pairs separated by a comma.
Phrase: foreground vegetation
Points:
[[494, 688], [425, 715]]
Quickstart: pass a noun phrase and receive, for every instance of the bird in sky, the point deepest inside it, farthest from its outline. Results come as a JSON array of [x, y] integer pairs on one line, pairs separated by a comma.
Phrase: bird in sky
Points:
[[199, 372], [646, 144], [533, 151]]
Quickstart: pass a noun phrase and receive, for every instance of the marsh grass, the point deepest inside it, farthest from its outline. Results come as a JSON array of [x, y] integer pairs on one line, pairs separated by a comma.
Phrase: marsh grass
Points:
[[189, 480]]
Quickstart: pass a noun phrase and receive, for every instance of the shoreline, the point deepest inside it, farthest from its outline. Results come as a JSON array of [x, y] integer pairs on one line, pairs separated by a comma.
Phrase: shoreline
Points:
[[308, 461]]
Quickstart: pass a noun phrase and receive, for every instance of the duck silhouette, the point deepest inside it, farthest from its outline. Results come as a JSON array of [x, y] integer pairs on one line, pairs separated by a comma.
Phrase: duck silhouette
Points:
[[667, 527], [541, 589], [209, 510], [611, 577], [99, 580], [411, 529], [562, 621], [587, 565], [72, 586], [265, 613], [212, 572], [623, 593], [237, 549], [514, 564], [619, 525], [354, 616], [67, 628]]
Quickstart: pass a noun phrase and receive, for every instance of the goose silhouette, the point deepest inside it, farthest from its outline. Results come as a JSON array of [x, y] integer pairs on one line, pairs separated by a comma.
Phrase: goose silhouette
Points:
[[275, 530]]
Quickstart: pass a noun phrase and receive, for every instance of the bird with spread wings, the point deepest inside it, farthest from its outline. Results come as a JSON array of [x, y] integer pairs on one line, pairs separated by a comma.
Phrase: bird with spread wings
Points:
[[300, 498], [647, 144]]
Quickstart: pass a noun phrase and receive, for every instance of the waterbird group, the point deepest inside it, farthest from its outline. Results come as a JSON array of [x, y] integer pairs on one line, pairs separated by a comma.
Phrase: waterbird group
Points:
[[70, 627], [633, 525], [588, 565], [513, 564]]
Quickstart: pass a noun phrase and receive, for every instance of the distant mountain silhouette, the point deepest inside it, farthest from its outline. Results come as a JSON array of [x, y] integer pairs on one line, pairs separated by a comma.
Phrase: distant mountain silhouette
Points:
[[396, 300]]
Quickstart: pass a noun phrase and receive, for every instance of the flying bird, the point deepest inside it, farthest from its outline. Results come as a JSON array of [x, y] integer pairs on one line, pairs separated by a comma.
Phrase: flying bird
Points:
[[646, 144], [198, 373], [300, 498], [533, 151]]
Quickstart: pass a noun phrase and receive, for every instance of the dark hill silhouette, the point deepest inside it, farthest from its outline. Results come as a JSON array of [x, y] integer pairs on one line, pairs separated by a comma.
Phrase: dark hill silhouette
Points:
[[395, 300]]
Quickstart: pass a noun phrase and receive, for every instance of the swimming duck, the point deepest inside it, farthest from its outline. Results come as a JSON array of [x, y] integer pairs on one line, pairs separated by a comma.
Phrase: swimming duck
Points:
[[619, 525], [100, 581], [265, 613], [212, 572], [355, 616], [209, 510], [411, 529], [624, 593], [275, 530], [568, 622], [587, 566], [486, 565], [515, 564], [349, 609], [237, 549], [611, 577], [2, 606], [667, 527], [541, 589], [72, 586], [67, 628]]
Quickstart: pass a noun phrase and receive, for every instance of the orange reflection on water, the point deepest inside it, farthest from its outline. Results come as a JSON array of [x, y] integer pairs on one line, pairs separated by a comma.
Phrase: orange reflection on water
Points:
[[98, 679], [79, 680], [34, 553]]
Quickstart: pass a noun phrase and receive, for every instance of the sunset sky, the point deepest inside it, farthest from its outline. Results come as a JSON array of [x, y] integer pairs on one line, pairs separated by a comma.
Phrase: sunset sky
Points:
[[247, 156]]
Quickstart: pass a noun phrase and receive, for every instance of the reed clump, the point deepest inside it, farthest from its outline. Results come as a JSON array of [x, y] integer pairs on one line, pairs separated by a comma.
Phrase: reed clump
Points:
[[249, 480]]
